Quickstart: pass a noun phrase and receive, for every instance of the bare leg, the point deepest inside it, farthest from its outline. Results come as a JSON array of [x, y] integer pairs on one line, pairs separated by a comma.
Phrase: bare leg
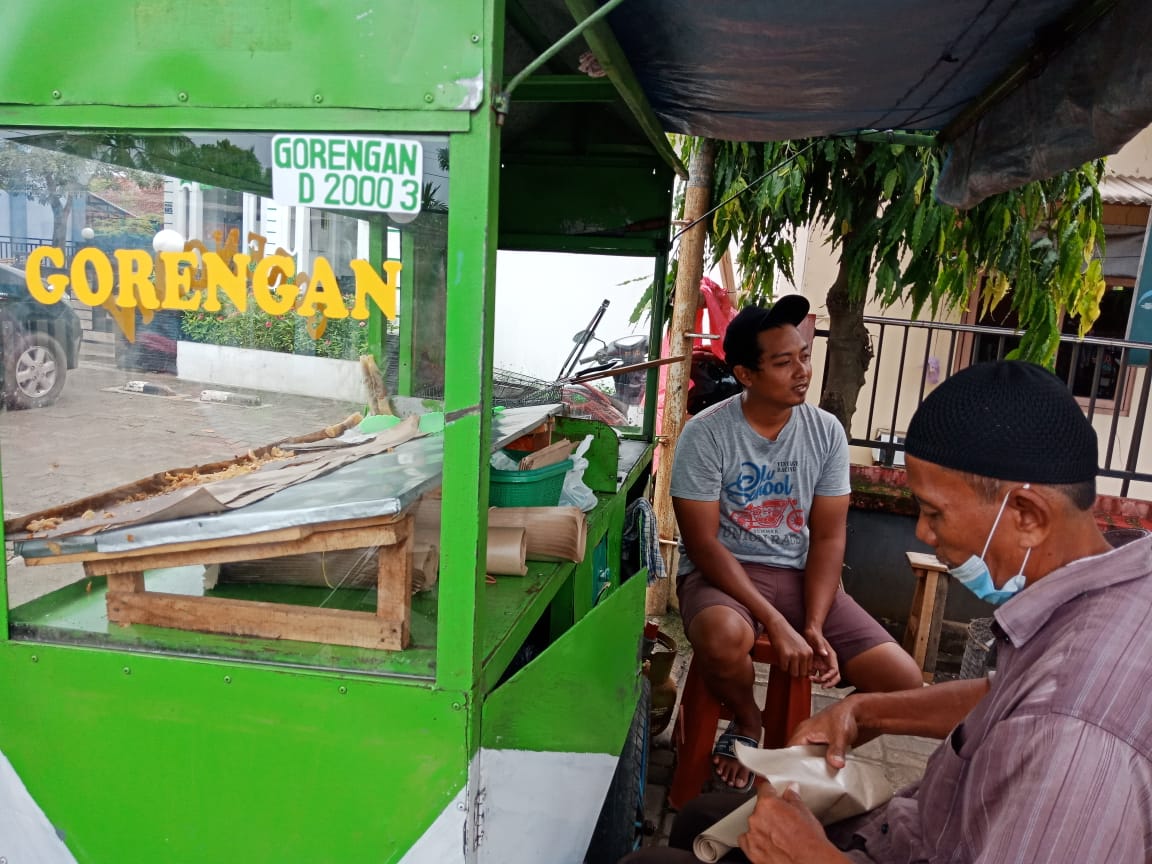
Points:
[[722, 641], [883, 668]]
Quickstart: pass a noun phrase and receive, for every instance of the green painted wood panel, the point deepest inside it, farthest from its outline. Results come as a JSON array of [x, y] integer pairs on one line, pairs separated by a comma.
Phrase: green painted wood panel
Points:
[[145, 758], [246, 54], [549, 706]]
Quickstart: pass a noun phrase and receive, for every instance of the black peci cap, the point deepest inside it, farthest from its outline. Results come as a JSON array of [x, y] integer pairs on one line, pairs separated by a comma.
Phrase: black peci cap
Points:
[[1008, 420]]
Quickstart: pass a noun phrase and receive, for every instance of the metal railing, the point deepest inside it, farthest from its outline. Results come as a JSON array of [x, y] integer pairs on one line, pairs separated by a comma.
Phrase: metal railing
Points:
[[17, 249], [1111, 378]]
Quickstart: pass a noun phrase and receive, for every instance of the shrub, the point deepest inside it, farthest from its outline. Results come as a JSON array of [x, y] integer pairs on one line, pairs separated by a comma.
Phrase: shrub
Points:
[[343, 339]]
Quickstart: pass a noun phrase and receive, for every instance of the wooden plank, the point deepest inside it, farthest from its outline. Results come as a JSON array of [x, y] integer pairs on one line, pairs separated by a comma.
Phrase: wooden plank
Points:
[[927, 610], [935, 622], [915, 617], [321, 541], [132, 583], [261, 620], [279, 535], [394, 580], [926, 616], [925, 561], [697, 199]]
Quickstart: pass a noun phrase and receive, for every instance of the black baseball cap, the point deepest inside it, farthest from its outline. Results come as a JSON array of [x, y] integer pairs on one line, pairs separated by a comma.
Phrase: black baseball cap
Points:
[[753, 320]]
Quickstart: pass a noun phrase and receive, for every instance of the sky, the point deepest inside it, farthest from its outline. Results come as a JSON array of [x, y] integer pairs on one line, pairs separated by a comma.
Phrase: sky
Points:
[[543, 299]]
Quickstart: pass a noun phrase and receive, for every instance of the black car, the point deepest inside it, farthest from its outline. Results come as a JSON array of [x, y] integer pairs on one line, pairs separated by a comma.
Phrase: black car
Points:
[[38, 343]]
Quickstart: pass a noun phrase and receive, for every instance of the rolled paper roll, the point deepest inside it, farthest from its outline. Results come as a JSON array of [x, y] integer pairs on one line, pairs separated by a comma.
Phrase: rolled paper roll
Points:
[[425, 566], [554, 533], [507, 551]]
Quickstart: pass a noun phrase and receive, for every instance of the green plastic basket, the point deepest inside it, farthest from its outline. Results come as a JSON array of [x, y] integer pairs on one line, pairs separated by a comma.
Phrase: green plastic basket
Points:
[[538, 488]]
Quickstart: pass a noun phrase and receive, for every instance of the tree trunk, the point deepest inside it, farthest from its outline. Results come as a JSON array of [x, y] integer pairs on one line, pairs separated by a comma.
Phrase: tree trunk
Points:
[[849, 350], [61, 211]]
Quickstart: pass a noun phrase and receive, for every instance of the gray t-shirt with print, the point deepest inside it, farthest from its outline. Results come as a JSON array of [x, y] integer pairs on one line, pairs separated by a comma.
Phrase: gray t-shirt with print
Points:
[[764, 487]]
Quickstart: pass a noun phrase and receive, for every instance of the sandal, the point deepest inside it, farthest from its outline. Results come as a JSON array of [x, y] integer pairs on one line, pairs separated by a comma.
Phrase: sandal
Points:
[[725, 748]]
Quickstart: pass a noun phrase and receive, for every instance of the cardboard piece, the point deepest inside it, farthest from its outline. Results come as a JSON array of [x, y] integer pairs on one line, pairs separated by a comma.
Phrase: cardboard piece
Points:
[[550, 455]]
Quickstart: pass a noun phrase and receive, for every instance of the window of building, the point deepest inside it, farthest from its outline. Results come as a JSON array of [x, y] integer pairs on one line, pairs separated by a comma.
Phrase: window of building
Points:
[[1077, 362]]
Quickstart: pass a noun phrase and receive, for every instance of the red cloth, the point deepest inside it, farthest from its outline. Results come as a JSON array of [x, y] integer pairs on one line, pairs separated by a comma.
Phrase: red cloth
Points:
[[720, 311]]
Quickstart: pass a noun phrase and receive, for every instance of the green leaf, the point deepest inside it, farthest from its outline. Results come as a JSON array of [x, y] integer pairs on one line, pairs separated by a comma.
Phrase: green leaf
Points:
[[1034, 244], [890, 181]]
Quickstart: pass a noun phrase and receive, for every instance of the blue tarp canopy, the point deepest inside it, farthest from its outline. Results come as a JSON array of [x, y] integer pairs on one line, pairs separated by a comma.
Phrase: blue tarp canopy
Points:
[[1018, 89]]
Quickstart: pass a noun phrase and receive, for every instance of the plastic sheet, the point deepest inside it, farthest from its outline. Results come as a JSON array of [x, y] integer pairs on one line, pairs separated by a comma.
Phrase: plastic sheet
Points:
[[777, 70]]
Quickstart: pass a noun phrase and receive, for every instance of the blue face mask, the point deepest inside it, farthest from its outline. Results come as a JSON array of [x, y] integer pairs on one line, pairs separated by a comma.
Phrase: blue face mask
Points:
[[974, 575]]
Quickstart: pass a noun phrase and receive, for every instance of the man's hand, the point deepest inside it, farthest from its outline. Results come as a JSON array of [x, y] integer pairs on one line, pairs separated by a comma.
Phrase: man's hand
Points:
[[825, 667], [782, 830], [793, 652], [834, 726]]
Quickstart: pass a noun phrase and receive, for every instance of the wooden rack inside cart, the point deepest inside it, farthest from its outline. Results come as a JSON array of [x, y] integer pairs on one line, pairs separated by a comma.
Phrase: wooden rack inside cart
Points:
[[130, 602]]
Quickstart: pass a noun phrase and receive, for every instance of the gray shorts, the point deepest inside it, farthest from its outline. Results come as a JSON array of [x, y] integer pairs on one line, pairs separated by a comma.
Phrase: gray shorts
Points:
[[848, 628]]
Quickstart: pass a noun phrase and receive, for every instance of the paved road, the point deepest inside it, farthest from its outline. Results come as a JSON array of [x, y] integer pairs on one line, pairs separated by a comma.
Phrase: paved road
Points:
[[97, 437]]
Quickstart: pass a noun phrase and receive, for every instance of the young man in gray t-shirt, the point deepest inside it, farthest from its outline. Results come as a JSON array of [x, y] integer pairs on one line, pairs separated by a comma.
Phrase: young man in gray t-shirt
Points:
[[760, 488]]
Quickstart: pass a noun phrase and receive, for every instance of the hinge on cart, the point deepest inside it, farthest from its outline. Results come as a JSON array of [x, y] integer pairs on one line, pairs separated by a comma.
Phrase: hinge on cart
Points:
[[477, 820]]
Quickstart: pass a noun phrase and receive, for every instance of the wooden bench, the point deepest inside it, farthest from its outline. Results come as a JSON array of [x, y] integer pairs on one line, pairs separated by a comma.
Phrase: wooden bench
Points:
[[129, 601], [922, 635]]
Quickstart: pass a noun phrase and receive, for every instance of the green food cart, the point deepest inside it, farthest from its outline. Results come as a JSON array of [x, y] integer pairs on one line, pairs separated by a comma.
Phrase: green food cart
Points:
[[184, 186]]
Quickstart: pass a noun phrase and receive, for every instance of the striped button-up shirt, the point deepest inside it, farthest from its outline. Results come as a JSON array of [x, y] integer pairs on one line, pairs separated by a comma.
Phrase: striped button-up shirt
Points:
[[1053, 766]]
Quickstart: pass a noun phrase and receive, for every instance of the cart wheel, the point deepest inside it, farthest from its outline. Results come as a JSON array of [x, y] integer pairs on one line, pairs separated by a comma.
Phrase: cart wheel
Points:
[[620, 826]]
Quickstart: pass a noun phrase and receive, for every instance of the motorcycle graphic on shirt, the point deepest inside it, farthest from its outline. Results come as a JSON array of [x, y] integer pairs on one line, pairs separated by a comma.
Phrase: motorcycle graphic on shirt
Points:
[[772, 491], [770, 514]]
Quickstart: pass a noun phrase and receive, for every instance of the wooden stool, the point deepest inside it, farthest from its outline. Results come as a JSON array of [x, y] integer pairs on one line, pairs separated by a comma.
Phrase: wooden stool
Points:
[[789, 700], [922, 635]]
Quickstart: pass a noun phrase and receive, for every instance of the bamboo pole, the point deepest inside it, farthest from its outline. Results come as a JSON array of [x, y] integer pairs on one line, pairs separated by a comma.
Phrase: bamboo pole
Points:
[[690, 271]]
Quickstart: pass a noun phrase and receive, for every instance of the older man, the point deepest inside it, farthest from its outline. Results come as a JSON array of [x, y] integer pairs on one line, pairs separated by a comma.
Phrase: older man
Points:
[[1047, 762]]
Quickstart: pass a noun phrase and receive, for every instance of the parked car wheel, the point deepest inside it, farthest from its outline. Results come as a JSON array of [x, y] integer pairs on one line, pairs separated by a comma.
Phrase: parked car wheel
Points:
[[34, 371]]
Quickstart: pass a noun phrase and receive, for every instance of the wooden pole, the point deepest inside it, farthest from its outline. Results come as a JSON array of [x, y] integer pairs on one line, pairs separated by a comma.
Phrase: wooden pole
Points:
[[690, 271]]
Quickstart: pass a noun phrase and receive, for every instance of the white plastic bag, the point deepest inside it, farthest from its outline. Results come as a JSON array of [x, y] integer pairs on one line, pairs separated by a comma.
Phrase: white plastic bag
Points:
[[575, 492], [503, 462]]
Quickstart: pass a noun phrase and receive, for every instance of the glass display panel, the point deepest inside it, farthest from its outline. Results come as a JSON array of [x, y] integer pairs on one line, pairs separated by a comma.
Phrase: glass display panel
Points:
[[222, 355]]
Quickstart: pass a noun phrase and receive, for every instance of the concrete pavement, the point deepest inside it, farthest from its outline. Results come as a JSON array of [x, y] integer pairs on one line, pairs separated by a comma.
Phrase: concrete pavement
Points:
[[97, 437]]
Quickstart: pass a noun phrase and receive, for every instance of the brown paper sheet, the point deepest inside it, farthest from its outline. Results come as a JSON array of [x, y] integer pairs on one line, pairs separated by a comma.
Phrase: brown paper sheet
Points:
[[229, 494], [831, 796]]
